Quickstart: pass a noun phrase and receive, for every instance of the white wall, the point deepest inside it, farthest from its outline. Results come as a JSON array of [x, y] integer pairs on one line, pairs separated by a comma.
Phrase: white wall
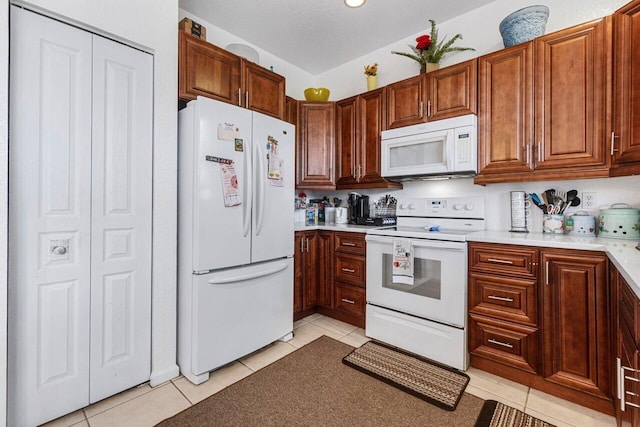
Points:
[[297, 79], [479, 29], [4, 175], [151, 25], [496, 196]]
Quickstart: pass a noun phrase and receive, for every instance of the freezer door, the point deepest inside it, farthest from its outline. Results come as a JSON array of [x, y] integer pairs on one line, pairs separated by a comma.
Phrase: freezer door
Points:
[[222, 232], [238, 311], [274, 169]]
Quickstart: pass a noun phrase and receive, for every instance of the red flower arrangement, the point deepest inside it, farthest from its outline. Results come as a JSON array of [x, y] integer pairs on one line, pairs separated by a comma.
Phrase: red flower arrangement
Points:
[[429, 50]]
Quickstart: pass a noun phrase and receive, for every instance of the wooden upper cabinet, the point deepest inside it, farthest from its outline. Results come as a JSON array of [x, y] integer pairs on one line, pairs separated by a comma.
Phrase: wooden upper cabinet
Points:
[[566, 136], [406, 101], [315, 145], [207, 70], [359, 122], [626, 125], [505, 111], [571, 85], [347, 139], [452, 91], [291, 110], [264, 90], [372, 123]]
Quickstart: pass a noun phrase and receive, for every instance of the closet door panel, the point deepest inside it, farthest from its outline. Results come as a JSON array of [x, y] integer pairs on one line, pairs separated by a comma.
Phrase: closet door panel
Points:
[[121, 218], [49, 218]]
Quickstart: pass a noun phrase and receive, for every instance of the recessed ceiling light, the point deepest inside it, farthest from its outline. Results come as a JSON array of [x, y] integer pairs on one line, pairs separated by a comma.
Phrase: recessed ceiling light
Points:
[[354, 3]]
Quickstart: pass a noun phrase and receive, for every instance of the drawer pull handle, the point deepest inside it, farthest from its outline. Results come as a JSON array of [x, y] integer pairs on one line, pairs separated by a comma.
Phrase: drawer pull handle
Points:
[[348, 270], [500, 261], [500, 298], [632, 379], [348, 244], [348, 301], [504, 344]]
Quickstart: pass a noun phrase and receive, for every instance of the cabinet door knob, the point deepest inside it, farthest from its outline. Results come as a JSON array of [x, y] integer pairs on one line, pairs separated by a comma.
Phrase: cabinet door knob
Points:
[[59, 250]]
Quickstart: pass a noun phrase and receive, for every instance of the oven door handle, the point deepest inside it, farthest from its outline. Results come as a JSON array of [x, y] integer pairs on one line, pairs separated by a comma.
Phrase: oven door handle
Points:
[[420, 243]]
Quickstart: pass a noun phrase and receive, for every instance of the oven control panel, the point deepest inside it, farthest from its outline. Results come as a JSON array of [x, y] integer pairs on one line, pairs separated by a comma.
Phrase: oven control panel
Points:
[[447, 207]]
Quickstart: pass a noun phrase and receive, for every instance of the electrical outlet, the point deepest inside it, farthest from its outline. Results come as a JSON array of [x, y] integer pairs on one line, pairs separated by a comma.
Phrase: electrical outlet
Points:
[[589, 200]]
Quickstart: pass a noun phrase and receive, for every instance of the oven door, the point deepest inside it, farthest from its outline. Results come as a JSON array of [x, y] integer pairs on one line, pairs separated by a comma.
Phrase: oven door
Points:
[[439, 292]]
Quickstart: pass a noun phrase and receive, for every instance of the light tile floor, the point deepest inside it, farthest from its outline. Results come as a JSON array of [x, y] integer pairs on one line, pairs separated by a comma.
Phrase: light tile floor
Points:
[[146, 406]]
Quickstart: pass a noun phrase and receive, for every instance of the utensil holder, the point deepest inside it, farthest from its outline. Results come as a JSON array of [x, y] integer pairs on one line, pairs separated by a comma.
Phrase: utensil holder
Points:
[[553, 224]]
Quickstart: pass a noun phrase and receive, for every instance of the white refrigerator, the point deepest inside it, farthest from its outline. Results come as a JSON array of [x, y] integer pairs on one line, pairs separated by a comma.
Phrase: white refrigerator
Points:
[[235, 234]]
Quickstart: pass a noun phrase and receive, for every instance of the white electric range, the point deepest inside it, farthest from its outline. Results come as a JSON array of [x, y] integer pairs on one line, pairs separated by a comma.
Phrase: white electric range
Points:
[[423, 311]]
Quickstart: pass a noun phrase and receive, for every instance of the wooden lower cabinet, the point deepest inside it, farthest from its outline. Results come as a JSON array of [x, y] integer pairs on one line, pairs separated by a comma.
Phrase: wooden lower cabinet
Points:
[[329, 275], [546, 323], [576, 315], [305, 266], [627, 351]]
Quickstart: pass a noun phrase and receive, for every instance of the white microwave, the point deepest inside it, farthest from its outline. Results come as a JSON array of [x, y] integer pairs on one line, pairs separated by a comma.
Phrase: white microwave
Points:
[[444, 148]]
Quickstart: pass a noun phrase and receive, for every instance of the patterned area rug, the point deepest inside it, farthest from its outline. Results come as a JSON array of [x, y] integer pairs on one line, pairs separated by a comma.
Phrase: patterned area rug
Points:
[[495, 414], [437, 384]]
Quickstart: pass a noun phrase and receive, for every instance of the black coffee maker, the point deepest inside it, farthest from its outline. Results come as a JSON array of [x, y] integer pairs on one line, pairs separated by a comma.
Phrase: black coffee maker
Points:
[[358, 208]]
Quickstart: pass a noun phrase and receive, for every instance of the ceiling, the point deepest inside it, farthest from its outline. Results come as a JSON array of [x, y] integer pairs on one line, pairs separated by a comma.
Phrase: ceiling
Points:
[[318, 35]]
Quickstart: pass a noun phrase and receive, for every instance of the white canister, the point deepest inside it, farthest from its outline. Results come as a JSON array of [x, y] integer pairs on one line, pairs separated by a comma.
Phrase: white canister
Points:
[[620, 221], [329, 215], [342, 215], [580, 224]]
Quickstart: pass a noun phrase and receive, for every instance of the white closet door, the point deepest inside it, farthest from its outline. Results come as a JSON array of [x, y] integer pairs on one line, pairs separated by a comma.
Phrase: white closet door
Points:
[[49, 218], [121, 218]]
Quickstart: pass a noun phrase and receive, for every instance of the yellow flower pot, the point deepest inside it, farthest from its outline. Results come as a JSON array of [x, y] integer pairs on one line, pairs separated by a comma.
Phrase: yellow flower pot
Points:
[[372, 82]]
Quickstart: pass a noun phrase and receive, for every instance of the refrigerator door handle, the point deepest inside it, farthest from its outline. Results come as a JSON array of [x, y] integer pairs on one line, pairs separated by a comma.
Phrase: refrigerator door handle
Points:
[[248, 276], [260, 189], [246, 217]]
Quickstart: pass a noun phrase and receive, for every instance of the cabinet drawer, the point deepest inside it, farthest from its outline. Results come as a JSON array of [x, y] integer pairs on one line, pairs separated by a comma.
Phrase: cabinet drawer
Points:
[[506, 298], [352, 243], [350, 269], [350, 299], [503, 259], [504, 342]]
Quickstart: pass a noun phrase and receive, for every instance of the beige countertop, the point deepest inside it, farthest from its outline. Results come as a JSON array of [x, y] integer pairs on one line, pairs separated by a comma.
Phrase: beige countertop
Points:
[[622, 253]]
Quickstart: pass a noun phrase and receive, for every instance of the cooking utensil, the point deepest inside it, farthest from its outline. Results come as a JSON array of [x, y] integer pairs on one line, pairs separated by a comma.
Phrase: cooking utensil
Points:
[[571, 194], [576, 201], [550, 193], [538, 202]]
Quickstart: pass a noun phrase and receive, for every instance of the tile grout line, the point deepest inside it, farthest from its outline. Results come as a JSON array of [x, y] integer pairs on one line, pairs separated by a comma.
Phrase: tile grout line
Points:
[[184, 395]]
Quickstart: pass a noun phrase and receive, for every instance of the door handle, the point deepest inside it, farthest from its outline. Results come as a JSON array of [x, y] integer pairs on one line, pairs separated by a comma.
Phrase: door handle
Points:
[[503, 344], [500, 261], [307, 239], [495, 297]]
